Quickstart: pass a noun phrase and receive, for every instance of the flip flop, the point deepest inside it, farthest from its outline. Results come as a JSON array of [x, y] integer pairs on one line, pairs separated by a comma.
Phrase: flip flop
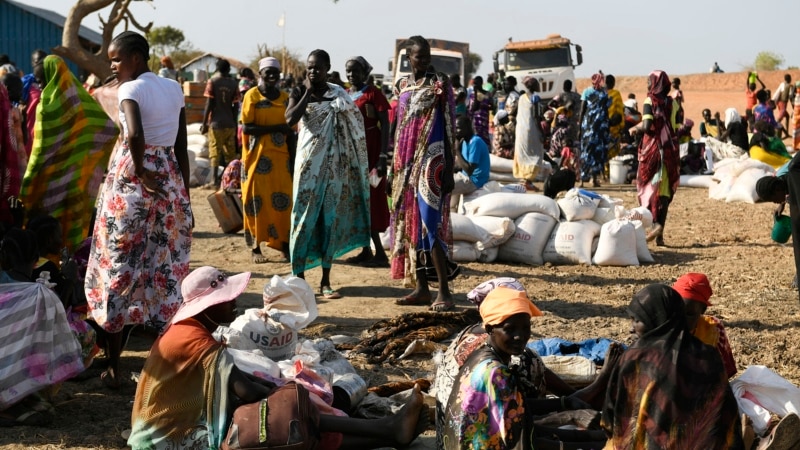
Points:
[[442, 306], [410, 300], [329, 293], [259, 258]]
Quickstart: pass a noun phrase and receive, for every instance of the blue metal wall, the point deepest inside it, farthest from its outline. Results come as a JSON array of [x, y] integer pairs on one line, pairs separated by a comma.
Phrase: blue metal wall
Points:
[[22, 32]]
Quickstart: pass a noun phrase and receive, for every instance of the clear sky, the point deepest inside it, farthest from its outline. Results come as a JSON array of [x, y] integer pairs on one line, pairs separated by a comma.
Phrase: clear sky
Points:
[[621, 37]]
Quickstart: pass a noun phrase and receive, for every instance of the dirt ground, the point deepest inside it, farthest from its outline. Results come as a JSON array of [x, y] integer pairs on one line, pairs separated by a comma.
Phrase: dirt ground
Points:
[[749, 273]]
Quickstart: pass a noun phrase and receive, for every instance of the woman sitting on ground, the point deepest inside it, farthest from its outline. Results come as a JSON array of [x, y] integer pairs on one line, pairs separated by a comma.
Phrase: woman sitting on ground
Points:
[[695, 289], [491, 399], [189, 381], [669, 389]]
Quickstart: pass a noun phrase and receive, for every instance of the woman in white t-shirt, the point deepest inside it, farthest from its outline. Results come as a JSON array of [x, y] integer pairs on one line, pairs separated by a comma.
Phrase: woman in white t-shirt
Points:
[[143, 230]]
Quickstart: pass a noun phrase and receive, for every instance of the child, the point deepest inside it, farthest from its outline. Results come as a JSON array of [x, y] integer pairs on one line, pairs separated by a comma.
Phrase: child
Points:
[[570, 160], [693, 163]]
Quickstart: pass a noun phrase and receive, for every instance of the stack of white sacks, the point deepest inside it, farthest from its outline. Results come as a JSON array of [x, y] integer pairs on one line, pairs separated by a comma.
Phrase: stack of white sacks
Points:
[[199, 165], [502, 170], [734, 179], [503, 223]]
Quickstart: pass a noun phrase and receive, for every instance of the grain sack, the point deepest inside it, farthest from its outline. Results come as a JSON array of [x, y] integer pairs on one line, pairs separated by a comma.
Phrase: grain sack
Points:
[[497, 229], [743, 188], [203, 171], [464, 252], [275, 340], [603, 215], [514, 187], [642, 252], [527, 244], [575, 206], [197, 139], [464, 229], [575, 370], [697, 181], [643, 214], [500, 165], [488, 255], [199, 150], [571, 243], [193, 128], [506, 204], [617, 245], [503, 177], [488, 188]]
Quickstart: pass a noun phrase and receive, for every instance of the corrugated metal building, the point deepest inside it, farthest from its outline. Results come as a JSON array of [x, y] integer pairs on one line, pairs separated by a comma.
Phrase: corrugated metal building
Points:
[[25, 28], [208, 63]]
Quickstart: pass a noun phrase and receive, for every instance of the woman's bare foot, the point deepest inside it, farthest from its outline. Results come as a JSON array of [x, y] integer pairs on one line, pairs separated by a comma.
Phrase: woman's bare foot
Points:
[[258, 257], [415, 298], [411, 420]]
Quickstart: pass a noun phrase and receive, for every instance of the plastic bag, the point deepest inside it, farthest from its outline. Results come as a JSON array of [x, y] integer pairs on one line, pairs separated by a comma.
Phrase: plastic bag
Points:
[[290, 301], [759, 391]]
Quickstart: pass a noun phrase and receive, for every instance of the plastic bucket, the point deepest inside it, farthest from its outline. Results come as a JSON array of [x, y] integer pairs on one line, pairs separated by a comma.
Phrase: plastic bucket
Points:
[[782, 229], [617, 172]]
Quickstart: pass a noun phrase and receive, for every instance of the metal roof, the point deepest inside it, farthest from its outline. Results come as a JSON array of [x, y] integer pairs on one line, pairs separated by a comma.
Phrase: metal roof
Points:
[[59, 20]]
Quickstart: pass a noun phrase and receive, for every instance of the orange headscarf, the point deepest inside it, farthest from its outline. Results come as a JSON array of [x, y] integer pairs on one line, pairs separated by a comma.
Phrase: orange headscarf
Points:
[[694, 286], [503, 302]]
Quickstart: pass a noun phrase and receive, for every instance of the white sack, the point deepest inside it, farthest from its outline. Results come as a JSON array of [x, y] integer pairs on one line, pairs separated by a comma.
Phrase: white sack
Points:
[[642, 252], [617, 245], [497, 229], [697, 181], [527, 244], [488, 255], [772, 393], [500, 165], [506, 204], [465, 251], [194, 128], [575, 206], [571, 243]]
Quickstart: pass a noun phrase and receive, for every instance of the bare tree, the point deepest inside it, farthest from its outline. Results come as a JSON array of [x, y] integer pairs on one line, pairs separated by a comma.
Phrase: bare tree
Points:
[[95, 62]]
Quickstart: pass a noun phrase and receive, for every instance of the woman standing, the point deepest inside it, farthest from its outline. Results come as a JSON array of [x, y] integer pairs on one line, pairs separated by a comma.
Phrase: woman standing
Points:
[[143, 232], [375, 110], [595, 136], [330, 215], [669, 389], [478, 108], [659, 160], [10, 176], [422, 178], [267, 174], [529, 139]]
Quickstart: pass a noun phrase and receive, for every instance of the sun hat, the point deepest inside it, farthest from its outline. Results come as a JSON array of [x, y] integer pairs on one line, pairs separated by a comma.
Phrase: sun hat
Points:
[[206, 287], [694, 286], [269, 62]]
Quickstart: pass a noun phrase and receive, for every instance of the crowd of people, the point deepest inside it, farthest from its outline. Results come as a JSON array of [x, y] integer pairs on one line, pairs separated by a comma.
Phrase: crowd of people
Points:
[[95, 206]]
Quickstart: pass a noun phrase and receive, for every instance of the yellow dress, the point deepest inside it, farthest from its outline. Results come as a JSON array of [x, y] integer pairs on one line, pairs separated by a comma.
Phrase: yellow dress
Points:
[[266, 175]]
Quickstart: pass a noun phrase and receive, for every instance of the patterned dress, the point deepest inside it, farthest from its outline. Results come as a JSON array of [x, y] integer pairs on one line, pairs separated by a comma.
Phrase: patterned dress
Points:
[[266, 175], [330, 215], [486, 406], [425, 129], [596, 137], [141, 244]]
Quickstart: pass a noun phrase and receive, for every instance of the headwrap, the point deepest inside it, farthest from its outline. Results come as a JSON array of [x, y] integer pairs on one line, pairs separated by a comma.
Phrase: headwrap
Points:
[[659, 84], [765, 186], [503, 302], [363, 63], [166, 61], [480, 292], [694, 286], [597, 80], [73, 139], [732, 116], [268, 62]]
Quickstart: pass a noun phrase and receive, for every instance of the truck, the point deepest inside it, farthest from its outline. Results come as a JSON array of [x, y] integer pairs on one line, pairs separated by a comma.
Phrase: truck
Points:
[[448, 57], [550, 60]]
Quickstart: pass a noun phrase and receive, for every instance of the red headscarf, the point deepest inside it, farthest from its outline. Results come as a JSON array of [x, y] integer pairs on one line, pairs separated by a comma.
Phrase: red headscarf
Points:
[[694, 286], [597, 80], [658, 87]]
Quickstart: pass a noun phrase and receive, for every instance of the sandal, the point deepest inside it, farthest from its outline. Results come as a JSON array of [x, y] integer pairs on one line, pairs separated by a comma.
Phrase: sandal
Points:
[[259, 258], [329, 293], [438, 306], [411, 300]]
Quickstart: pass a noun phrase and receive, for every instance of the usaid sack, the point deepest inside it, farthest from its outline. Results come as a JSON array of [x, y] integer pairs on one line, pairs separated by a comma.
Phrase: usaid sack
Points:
[[571, 243], [617, 245], [507, 204], [575, 206], [526, 245]]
